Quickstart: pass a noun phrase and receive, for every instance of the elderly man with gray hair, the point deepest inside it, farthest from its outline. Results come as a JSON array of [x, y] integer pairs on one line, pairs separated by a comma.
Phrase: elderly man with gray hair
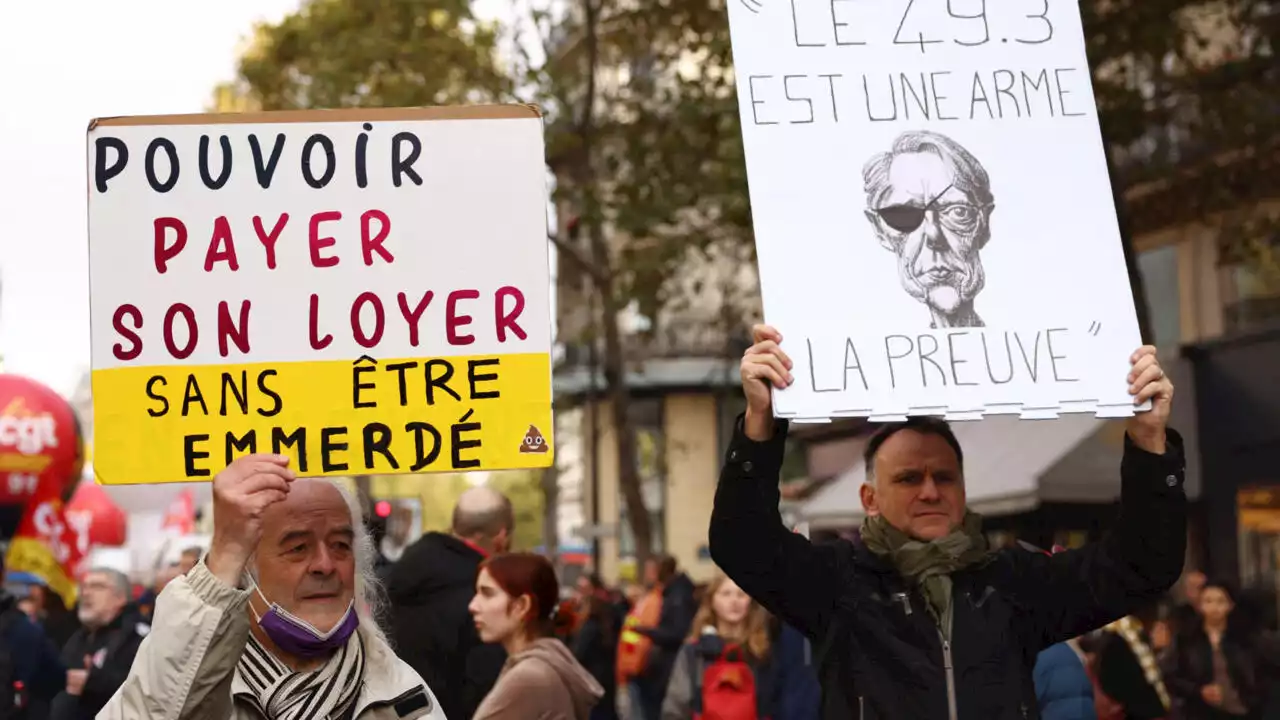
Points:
[[99, 654], [277, 621]]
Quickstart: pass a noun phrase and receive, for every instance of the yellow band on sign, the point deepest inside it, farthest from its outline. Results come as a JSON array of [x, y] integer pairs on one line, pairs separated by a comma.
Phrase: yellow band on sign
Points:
[[447, 414]]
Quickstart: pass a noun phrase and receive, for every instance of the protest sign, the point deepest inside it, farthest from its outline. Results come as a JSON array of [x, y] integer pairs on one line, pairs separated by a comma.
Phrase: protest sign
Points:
[[366, 291], [933, 214]]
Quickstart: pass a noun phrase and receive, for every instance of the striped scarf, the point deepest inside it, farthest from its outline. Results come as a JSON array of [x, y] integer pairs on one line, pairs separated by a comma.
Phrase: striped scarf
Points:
[[326, 693]]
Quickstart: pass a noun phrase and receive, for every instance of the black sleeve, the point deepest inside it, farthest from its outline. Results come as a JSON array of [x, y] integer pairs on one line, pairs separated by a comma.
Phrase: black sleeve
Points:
[[1178, 679], [1077, 591], [482, 664], [103, 682], [673, 628], [792, 578]]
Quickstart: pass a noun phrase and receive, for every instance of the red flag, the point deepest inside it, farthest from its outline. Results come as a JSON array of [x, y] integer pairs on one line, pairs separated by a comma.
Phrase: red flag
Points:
[[182, 514], [45, 544]]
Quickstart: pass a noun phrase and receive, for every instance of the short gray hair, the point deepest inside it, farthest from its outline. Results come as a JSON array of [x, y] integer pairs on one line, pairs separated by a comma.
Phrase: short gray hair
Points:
[[970, 177], [119, 581]]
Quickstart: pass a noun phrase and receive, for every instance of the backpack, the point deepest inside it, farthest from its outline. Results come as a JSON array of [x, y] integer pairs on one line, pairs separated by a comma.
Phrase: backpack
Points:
[[726, 687], [12, 695]]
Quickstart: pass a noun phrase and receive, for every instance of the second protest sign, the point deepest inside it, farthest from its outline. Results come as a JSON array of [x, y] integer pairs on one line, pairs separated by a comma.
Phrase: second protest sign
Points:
[[366, 291]]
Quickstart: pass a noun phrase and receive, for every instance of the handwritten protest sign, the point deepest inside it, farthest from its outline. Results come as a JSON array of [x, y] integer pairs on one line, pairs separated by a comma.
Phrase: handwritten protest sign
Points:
[[366, 291], [933, 215]]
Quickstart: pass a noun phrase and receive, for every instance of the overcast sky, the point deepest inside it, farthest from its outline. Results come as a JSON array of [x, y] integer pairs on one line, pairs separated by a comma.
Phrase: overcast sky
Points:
[[63, 62]]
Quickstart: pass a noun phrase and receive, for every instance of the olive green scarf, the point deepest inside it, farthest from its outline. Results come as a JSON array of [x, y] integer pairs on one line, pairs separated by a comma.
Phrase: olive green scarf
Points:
[[929, 565]]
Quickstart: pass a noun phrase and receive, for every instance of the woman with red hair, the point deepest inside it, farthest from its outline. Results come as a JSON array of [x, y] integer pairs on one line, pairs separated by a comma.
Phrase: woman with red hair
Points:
[[515, 606]]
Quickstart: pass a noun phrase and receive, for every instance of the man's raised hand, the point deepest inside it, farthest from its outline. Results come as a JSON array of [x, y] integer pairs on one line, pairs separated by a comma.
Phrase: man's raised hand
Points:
[[1147, 381], [241, 494], [764, 367]]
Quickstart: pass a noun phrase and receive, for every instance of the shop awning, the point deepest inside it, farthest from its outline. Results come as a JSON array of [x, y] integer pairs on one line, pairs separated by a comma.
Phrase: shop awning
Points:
[[1006, 463]]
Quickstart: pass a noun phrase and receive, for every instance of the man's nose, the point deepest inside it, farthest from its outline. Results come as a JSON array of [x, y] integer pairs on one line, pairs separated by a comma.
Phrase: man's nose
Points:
[[929, 490], [934, 239], [322, 562]]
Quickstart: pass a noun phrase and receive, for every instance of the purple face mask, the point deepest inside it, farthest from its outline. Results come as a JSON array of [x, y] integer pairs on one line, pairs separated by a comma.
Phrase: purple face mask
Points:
[[300, 638]]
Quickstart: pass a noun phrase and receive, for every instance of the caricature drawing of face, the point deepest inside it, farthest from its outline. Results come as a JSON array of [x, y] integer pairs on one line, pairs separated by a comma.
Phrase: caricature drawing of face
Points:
[[930, 203]]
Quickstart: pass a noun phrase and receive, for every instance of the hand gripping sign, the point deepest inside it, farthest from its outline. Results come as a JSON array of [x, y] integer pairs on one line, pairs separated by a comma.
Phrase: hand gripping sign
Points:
[[366, 291]]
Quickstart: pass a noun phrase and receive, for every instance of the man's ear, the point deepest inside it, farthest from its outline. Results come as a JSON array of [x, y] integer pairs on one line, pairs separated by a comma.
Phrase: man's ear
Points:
[[874, 219], [867, 493]]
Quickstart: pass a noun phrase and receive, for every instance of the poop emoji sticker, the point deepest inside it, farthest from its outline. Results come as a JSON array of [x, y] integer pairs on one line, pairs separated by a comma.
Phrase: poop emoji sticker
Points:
[[533, 441]]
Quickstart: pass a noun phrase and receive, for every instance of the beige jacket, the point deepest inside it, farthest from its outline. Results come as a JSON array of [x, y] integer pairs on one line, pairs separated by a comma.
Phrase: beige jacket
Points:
[[541, 682], [185, 668]]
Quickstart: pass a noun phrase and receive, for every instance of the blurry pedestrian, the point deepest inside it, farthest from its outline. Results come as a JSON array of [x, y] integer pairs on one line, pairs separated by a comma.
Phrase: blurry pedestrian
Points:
[[801, 693], [430, 588], [1064, 690], [277, 621], [1129, 670], [1219, 670], [919, 618], [652, 636], [514, 606], [99, 655], [31, 673], [595, 641]]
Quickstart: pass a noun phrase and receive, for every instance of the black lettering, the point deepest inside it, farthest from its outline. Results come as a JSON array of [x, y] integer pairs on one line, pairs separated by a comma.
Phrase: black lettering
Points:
[[458, 445], [357, 386], [836, 25], [276, 403], [473, 378], [938, 98], [240, 392], [813, 374], [1006, 91], [888, 351], [1033, 364], [986, 352], [979, 94], [331, 162], [266, 171], [329, 445], [102, 172], [921, 102], [893, 98], [150, 165], [751, 90], [193, 395], [421, 456], [377, 439], [1040, 82], [297, 438], [1063, 93], [956, 363], [164, 401], [247, 444], [831, 88], [190, 455], [439, 383], [1053, 359], [401, 165], [210, 181], [399, 369], [849, 349], [362, 148], [786, 90], [927, 357], [795, 29]]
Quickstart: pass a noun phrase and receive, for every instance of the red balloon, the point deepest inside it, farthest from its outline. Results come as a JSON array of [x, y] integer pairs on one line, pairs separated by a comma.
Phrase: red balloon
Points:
[[95, 517], [40, 440]]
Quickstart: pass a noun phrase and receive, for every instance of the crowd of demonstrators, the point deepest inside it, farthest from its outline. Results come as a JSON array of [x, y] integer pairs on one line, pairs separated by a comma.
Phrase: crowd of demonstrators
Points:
[[594, 639], [515, 606], [652, 635], [917, 617], [98, 656], [278, 619], [430, 589], [31, 673]]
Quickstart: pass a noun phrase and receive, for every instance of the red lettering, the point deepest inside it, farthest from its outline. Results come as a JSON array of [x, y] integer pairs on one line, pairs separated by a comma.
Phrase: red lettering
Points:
[[368, 245], [317, 342], [135, 342], [164, 253], [228, 329], [414, 316], [507, 321], [268, 239], [318, 243], [193, 331], [453, 319], [221, 248], [379, 322]]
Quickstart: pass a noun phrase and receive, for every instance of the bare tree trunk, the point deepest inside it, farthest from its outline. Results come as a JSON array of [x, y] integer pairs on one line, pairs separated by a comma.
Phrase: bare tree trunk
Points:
[[550, 505]]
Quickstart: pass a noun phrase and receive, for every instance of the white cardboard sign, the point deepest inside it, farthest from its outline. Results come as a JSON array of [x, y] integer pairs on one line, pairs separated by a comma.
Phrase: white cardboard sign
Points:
[[933, 214]]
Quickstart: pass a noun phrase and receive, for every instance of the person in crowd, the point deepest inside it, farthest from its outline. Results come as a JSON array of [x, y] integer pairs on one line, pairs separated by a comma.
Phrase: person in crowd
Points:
[[727, 668], [277, 622], [1186, 612], [514, 606], [190, 556], [99, 655], [31, 673], [430, 588], [164, 576], [1064, 690], [1128, 668], [1219, 668], [801, 694], [652, 636], [919, 618], [595, 641]]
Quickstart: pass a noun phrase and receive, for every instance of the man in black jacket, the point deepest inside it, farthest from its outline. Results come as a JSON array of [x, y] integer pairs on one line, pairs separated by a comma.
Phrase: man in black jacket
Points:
[[429, 589], [919, 618], [99, 655]]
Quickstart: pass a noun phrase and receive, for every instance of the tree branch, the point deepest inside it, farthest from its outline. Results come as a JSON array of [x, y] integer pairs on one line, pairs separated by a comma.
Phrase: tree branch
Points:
[[598, 275]]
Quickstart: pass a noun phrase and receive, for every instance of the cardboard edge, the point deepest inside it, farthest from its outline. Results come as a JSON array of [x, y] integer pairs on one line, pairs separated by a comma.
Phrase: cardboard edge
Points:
[[513, 111]]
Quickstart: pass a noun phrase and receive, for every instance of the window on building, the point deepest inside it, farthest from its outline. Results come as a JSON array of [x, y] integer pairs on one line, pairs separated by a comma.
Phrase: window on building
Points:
[[1250, 274], [1159, 270], [650, 440]]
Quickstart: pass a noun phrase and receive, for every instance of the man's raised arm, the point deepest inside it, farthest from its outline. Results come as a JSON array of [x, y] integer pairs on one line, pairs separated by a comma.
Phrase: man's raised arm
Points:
[[784, 572]]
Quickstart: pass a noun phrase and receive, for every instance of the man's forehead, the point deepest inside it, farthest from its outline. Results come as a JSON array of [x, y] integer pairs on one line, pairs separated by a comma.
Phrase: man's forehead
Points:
[[311, 505], [915, 168], [910, 448]]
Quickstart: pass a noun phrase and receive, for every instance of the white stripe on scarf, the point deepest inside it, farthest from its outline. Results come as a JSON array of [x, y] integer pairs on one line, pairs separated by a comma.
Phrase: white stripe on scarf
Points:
[[322, 694]]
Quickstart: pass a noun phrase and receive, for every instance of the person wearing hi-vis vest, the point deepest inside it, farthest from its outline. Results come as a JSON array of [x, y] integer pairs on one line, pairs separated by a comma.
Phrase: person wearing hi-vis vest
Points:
[[652, 635]]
